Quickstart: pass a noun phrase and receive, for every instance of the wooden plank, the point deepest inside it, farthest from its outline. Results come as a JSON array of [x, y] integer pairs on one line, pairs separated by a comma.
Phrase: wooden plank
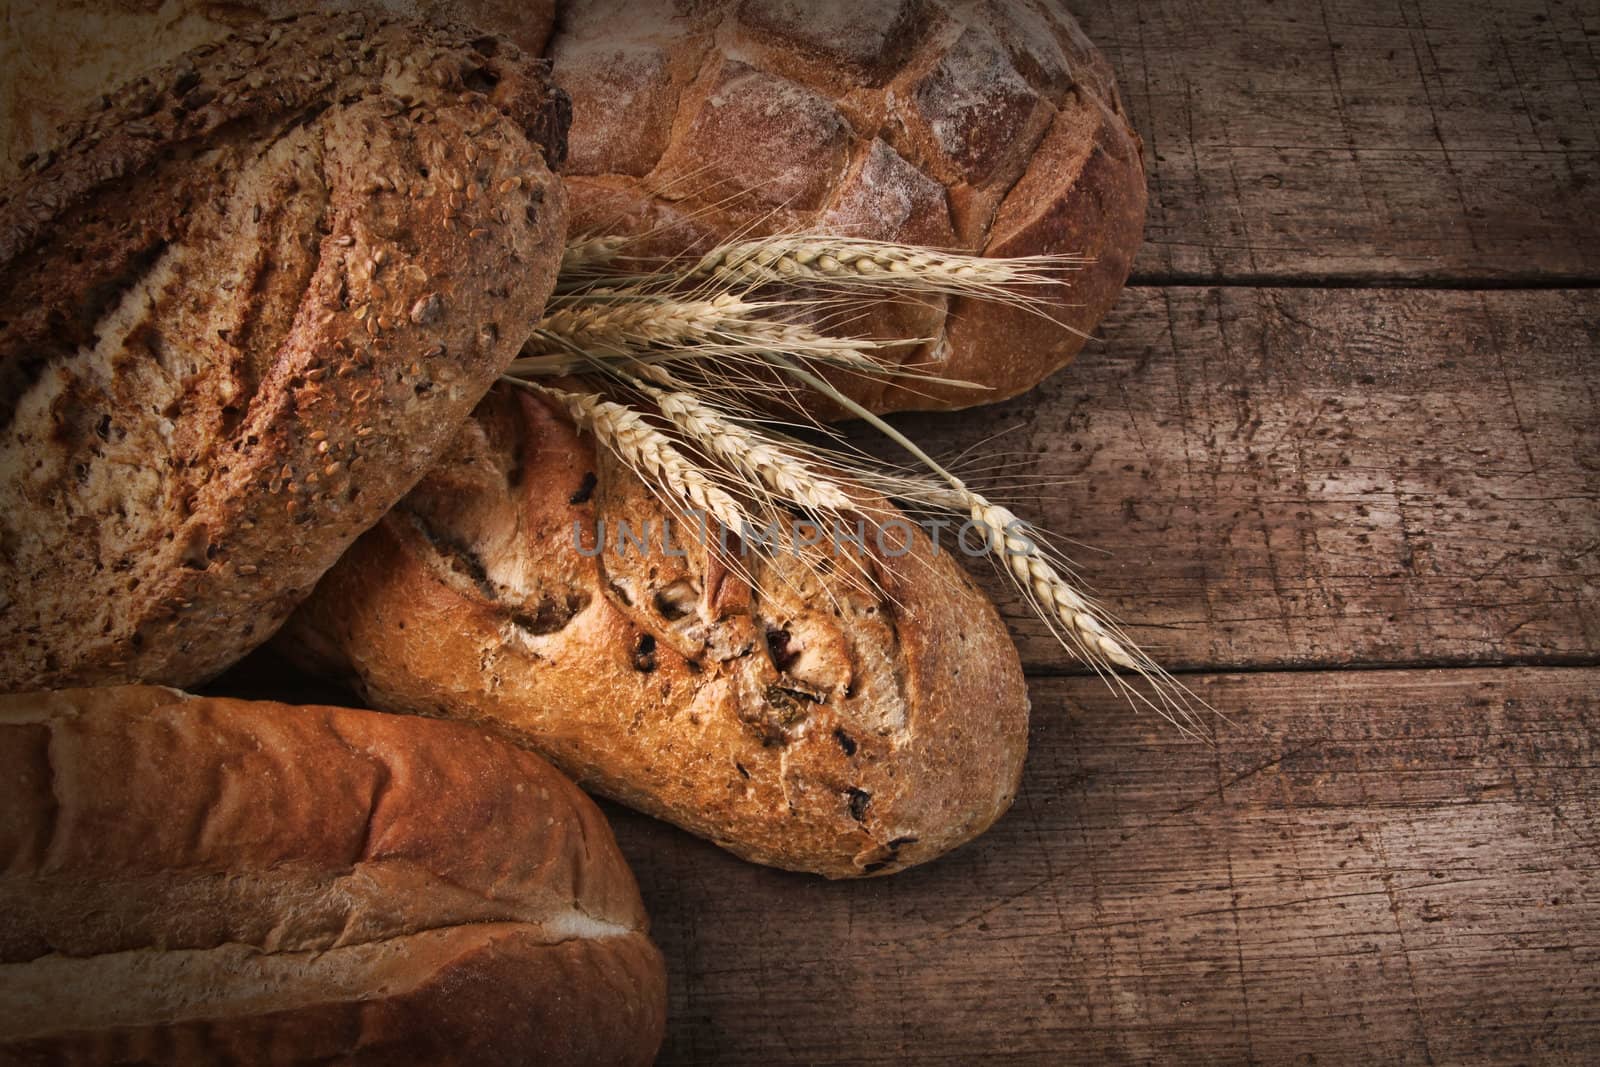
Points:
[[1320, 478], [1391, 866], [1426, 140]]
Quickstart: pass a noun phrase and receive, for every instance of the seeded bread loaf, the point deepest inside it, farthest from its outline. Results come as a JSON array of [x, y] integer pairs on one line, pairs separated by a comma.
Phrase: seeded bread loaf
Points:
[[813, 721], [57, 57], [193, 880], [243, 307]]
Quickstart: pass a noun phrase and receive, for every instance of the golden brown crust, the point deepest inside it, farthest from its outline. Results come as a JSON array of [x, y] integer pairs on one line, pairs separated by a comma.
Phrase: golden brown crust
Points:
[[814, 725], [990, 126], [197, 880], [245, 305]]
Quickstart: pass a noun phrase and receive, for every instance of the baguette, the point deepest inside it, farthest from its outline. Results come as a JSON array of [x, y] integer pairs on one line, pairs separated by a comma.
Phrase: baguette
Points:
[[804, 720], [193, 880], [242, 308]]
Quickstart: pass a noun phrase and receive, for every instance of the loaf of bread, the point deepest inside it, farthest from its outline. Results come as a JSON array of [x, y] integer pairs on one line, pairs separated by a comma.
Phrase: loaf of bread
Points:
[[987, 126], [818, 717], [243, 306], [195, 880]]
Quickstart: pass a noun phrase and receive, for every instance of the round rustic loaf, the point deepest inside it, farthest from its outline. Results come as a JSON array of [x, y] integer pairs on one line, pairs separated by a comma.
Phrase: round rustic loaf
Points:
[[806, 718], [988, 126], [243, 306], [191, 880]]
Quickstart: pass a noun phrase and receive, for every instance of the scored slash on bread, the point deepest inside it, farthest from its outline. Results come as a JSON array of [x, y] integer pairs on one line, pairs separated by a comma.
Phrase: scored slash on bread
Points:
[[808, 719], [194, 880], [244, 308]]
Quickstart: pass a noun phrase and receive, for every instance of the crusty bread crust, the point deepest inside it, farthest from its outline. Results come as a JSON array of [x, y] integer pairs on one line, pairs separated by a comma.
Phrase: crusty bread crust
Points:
[[988, 126], [57, 57], [245, 305], [814, 724], [211, 880]]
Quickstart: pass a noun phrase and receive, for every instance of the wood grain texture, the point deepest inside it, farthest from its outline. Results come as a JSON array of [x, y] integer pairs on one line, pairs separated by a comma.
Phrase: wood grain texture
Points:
[[1423, 141], [1394, 866], [1307, 477]]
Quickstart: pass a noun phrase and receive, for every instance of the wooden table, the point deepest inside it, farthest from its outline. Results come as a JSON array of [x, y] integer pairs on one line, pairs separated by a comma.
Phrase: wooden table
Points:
[[1340, 450]]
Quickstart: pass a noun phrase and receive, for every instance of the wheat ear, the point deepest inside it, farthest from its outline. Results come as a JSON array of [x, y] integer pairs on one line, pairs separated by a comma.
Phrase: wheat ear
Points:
[[754, 455], [726, 325], [627, 325], [855, 263], [1028, 565], [647, 451], [1009, 539], [586, 255]]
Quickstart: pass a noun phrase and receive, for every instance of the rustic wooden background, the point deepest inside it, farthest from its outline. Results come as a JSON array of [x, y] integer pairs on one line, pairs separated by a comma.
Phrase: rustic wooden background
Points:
[[1339, 453], [1336, 460]]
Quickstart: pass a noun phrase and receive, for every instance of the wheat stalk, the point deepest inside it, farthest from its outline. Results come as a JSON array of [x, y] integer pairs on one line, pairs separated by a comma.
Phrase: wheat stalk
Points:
[[647, 451], [842, 262], [721, 326], [587, 255], [1009, 538], [779, 470], [701, 316], [865, 269], [627, 326]]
